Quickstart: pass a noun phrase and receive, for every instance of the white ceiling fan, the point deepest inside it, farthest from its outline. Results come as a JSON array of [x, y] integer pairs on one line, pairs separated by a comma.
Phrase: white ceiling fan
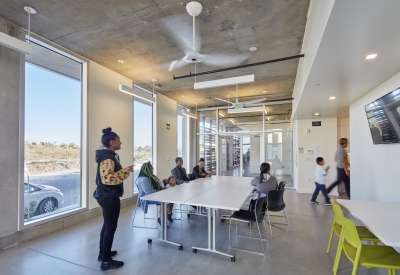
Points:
[[189, 41], [238, 104]]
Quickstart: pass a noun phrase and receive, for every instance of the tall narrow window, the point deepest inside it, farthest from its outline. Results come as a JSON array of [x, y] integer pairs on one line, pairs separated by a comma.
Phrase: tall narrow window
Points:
[[142, 135], [182, 121], [53, 118]]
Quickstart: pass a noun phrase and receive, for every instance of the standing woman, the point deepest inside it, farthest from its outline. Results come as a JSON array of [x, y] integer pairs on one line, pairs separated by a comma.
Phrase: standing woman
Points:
[[109, 180]]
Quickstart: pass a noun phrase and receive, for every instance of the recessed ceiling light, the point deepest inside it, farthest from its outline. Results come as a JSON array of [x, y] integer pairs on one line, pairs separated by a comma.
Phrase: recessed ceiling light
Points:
[[371, 56], [232, 121], [253, 49], [332, 97], [317, 114], [264, 91], [221, 114], [120, 61]]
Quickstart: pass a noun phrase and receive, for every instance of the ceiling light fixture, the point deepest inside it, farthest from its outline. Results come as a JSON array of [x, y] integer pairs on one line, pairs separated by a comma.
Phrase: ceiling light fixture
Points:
[[224, 82], [332, 97], [247, 110], [316, 114], [268, 118], [137, 93], [221, 114], [371, 56], [264, 91], [253, 49], [232, 121], [189, 114]]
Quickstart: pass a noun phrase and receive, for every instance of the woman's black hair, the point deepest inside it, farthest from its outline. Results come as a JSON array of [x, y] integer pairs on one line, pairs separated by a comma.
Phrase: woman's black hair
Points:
[[264, 168], [201, 160], [108, 136], [145, 172]]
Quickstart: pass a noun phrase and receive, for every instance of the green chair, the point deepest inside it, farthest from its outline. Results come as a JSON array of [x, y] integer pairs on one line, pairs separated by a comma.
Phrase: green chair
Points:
[[376, 256], [363, 232]]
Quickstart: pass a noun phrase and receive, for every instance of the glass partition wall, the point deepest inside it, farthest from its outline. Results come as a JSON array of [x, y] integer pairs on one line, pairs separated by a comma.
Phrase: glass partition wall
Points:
[[245, 140]]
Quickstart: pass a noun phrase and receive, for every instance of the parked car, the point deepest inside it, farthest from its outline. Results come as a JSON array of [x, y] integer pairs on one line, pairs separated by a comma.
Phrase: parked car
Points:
[[40, 199]]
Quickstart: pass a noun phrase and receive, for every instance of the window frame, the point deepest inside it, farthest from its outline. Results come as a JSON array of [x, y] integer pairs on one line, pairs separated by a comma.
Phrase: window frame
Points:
[[84, 194]]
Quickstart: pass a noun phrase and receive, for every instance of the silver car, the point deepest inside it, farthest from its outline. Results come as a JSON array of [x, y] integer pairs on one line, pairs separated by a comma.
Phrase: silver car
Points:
[[41, 199]]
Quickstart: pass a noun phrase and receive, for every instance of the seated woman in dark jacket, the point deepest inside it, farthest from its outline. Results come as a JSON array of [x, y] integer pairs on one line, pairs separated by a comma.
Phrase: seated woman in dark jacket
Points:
[[199, 172]]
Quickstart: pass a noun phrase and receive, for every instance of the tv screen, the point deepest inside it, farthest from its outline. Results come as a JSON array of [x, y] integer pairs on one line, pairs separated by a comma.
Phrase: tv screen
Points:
[[384, 118]]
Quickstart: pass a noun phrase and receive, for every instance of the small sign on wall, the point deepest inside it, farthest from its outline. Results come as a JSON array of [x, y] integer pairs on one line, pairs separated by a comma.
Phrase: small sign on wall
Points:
[[316, 123], [167, 126]]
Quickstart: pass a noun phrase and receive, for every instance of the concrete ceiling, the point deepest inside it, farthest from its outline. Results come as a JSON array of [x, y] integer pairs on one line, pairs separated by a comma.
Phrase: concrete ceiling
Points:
[[354, 30], [105, 31]]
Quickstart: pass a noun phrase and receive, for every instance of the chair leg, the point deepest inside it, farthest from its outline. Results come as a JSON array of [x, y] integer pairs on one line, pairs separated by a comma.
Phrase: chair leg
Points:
[[260, 237], [330, 238], [230, 223], [339, 249], [287, 220], [269, 222]]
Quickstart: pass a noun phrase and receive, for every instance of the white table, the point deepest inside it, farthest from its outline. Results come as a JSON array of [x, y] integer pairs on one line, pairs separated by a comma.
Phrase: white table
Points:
[[381, 218], [217, 192]]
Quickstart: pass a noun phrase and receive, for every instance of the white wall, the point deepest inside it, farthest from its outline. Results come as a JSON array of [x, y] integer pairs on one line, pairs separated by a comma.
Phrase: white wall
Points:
[[325, 136], [108, 107], [167, 111], [374, 168], [318, 15]]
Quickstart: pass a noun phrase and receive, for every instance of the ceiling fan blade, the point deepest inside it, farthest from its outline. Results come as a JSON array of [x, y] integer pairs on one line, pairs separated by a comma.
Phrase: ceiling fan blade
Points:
[[180, 29], [253, 101], [170, 66], [223, 100], [221, 60]]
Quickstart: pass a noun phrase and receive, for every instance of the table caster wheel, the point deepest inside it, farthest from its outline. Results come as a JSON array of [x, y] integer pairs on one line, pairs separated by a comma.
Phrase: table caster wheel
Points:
[[149, 240], [188, 215], [232, 259], [194, 250], [180, 247]]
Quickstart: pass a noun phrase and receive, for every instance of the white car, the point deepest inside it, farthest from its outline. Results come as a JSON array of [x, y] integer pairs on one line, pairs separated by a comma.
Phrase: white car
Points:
[[40, 199]]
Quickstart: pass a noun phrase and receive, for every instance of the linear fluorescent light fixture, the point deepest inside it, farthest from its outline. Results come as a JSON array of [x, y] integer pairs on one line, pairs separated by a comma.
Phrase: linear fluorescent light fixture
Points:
[[15, 44], [224, 82], [277, 102], [189, 114], [247, 110], [136, 93]]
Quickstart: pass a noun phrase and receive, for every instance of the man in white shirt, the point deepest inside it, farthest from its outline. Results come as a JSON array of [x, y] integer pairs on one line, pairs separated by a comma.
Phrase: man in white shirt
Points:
[[320, 174]]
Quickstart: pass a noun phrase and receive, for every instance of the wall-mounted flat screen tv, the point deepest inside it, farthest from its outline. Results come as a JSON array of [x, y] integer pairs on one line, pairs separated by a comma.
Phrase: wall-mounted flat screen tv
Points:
[[384, 118]]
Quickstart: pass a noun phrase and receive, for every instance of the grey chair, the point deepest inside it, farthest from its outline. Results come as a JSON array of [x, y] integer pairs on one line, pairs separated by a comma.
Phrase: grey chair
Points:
[[144, 216], [250, 217]]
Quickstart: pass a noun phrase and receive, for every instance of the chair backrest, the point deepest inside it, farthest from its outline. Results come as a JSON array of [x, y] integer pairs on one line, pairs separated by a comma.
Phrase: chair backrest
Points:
[[282, 185], [275, 198], [338, 212], [350, 233], [165, 182], [258, 208]]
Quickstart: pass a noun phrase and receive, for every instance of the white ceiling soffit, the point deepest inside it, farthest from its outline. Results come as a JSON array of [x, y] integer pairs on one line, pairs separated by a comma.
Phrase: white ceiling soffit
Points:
[[224, 82], [354, 30]]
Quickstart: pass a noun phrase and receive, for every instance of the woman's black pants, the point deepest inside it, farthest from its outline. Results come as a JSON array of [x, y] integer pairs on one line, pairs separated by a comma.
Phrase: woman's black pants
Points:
[[111, 208]]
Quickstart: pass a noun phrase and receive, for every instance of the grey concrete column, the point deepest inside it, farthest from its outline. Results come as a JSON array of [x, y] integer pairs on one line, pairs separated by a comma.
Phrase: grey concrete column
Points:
[[10, 85]]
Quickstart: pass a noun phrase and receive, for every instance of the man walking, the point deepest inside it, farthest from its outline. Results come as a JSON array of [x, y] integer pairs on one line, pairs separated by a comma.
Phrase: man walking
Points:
[[342, 164]]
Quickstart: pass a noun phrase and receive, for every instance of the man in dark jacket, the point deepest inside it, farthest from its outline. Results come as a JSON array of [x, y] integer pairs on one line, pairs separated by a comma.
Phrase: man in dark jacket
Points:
[[179, 172]]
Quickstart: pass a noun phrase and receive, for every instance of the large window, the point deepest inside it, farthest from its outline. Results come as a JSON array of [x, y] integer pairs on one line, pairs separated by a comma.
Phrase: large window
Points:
[[142, 135], [53, 119]]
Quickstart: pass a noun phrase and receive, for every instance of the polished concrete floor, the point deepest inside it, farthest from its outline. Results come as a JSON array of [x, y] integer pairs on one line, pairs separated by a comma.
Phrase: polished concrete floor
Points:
[[74, 250]]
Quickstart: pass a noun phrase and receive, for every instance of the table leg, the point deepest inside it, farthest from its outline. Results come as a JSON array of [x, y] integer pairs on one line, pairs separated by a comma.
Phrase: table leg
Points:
[[212, 236], [163, 233]]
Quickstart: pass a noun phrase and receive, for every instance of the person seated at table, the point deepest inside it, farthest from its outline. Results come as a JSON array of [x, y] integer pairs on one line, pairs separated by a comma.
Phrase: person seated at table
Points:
[[179, 172], [264, 182], [170, 182], [199, 172], [147, 184]]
